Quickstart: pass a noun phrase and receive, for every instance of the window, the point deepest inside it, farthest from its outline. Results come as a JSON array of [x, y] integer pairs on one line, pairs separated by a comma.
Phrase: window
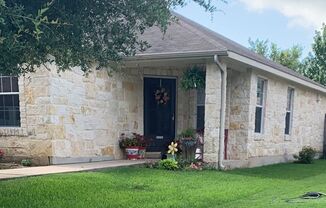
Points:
[[260, 105], [9, 102], [200, 109], [289, 111]]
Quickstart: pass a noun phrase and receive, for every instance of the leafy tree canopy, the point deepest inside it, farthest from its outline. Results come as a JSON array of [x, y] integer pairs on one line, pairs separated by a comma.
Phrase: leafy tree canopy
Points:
[[77, 32], [314, 66], [287, 57]]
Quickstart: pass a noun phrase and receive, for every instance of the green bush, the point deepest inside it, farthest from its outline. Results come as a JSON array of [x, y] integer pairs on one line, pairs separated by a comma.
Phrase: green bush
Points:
[[26, 162], [168, 164], [306, 155]]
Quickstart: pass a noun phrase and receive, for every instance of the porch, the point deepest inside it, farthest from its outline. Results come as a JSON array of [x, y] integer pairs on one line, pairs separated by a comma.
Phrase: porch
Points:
[[196, 109]]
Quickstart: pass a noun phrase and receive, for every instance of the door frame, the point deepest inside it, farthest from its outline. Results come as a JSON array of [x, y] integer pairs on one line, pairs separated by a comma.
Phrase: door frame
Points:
[[175, 102]]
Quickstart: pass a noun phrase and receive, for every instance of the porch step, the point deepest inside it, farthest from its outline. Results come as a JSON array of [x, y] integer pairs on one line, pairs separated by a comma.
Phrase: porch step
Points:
[[153, 155]]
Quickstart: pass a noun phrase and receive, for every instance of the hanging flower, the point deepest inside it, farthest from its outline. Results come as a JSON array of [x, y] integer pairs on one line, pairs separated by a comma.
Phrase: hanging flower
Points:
[[161, 96], [193, 78], [173, 148]]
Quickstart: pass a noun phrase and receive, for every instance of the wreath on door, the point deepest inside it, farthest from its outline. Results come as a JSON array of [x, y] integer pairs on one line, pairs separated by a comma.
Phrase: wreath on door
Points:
[[161, 96]]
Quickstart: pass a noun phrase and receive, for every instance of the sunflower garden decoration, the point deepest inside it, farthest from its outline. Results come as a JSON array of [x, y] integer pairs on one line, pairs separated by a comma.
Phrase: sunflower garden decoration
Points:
[[173, 149]]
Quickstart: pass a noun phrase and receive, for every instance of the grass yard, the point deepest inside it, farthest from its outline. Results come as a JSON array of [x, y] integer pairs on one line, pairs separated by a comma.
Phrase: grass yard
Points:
[[270, 186]]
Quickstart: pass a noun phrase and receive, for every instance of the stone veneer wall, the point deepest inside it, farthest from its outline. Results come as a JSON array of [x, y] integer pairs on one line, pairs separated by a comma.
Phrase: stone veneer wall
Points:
[[68, 117], [73, 118], [247, 148], [307, 125], [238, 114], [33, 138], [90, 112], [100, 109], [212, 112]]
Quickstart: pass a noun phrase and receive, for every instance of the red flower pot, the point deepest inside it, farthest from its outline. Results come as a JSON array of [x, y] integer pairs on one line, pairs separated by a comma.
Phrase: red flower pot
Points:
[[135, 152], [141, 152]]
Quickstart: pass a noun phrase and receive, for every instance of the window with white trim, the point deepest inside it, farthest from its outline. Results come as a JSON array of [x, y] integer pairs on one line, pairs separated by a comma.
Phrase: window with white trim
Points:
[[9, 102], [289, 111], [200, 109], [260, 105]]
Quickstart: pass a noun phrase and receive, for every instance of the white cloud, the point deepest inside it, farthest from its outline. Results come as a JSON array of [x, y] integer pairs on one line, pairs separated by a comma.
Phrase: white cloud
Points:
[[306, 13]]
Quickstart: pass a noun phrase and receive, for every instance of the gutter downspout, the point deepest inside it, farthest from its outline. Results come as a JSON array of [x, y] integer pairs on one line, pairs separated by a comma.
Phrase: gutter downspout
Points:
[[222, 113]]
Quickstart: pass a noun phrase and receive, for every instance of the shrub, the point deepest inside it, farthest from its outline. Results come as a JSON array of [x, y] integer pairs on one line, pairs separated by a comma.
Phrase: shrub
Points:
[[306, 155], [183, 163], [26, 162], [168, 164], [2, 154]]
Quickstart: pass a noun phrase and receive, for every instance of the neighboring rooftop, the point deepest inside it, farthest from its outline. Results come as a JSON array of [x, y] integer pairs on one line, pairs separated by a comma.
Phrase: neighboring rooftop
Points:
[[187, 36]]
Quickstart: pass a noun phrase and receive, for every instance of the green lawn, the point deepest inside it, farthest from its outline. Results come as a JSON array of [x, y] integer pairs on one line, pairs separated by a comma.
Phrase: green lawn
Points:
[[270, 186]]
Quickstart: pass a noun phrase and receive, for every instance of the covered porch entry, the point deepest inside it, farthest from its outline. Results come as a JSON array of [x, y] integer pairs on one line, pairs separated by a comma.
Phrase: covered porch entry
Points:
[[167, 109]]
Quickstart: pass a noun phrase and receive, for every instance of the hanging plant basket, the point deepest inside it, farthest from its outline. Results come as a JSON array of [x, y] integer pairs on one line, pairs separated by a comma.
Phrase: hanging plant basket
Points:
[[193, 78]]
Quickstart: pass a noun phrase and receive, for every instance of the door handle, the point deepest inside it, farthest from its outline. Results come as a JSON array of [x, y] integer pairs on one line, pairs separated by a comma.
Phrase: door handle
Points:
[[173, 117]]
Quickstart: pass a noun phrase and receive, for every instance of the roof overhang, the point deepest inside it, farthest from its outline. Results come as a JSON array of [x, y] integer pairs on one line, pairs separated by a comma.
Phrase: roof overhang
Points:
[[171, 59], [276, 72], [204, 56], [175, 55]]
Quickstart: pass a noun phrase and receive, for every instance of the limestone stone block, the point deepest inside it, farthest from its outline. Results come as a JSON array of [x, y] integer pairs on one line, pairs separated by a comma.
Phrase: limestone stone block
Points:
[[109, 150]]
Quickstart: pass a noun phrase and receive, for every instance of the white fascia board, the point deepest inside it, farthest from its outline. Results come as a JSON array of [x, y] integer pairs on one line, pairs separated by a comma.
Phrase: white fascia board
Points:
[[175, 55], [274, 71]]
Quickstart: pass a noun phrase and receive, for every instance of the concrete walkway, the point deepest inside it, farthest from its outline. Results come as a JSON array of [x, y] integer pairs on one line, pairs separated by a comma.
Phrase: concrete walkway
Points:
[[68, 168]]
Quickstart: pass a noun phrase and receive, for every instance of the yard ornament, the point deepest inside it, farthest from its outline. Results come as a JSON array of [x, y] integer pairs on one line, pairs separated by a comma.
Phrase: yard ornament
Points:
[[173, 148]]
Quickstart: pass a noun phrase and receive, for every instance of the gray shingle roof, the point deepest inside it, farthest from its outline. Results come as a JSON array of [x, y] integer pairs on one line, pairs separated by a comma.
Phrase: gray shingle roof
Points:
[[186, 35], [179, 37]]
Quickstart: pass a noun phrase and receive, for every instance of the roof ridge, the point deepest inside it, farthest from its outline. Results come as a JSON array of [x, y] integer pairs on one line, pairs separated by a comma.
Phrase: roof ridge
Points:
[[206, 29]]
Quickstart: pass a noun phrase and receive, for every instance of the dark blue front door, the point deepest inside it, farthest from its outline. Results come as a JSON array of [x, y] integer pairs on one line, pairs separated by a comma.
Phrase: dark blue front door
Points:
[[159, 112]]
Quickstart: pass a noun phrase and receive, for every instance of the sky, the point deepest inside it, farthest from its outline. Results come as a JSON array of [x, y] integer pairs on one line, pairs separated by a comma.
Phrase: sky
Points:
[[284, 22]]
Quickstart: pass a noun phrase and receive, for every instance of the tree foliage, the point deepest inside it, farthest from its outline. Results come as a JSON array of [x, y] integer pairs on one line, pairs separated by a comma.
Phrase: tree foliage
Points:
[[287, 57], [79, 32], [314, 66]]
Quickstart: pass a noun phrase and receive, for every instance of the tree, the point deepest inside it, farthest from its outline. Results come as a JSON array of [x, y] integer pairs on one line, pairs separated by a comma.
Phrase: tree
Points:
[[314, 66], [78, 32], [287, 57]]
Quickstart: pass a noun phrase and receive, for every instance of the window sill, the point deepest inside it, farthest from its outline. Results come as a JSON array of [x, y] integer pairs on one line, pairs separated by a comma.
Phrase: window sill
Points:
[[258, 137], [13, 131], [287, 137]]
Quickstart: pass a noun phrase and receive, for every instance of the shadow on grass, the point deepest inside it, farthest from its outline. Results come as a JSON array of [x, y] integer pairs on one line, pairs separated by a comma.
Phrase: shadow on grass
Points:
[[287, 171]]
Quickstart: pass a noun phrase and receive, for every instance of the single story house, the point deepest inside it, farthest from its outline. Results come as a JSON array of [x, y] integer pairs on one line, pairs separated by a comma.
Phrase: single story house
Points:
[[254, 111]]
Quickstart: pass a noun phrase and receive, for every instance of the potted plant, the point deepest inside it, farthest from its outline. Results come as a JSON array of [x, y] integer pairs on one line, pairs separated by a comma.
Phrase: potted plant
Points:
[[134, 145], [193, 78], [188, 143]]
